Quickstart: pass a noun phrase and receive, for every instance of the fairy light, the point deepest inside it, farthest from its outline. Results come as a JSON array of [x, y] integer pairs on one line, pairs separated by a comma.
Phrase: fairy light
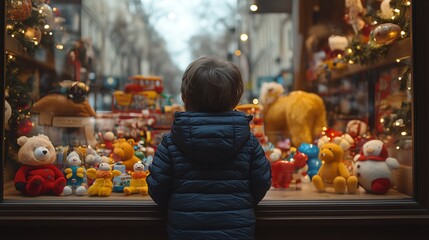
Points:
[[403, 133], [255, 101], [253, 7]]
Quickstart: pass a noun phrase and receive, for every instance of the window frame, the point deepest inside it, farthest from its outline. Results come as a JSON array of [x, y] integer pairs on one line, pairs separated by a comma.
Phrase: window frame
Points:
[[268, 212]]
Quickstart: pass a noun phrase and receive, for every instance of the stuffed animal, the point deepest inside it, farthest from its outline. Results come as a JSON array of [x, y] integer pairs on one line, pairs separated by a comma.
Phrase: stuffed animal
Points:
[[109, 138], [37, 174], [287, 172], [102, 185], [75, 174], [333, 171], [125, 153], [138, 181], [59, 105], [374, 168], [360, 133], [313, 162], [300, 115]]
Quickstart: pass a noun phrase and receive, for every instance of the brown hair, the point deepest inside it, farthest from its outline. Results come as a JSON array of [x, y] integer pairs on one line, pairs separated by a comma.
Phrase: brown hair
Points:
[[211, 85]]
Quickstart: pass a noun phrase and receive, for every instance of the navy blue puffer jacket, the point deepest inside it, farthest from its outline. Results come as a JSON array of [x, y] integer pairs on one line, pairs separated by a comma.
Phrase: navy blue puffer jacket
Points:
[[209, 172]]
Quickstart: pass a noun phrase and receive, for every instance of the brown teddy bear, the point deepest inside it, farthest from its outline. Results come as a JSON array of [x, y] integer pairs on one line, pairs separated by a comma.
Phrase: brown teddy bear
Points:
[[38, 175], [333, 171]]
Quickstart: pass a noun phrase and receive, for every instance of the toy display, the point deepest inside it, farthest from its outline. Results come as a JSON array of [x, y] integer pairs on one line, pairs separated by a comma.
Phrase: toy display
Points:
[[75, 175], [300, 115], [124, 153], [37, 174], [374, 168], [333, 171], [138, 181], [102, 185]]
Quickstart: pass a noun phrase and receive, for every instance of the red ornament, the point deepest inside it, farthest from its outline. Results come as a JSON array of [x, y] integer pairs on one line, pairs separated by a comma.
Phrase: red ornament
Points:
[[24, 127], [19, 10]]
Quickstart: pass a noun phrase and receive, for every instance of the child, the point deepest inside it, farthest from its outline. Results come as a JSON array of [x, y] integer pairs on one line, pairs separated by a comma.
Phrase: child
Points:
[[210, 171]]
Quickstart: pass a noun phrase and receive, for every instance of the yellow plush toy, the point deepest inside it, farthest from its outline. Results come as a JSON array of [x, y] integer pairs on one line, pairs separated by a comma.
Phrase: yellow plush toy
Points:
[[124, 150], [102, 185], [138, 181], [333, 171], [299, 115]]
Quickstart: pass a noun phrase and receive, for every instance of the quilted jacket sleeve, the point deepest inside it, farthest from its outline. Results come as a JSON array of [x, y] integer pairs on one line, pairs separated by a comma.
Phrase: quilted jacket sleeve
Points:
[[260, 173], [160, 178]]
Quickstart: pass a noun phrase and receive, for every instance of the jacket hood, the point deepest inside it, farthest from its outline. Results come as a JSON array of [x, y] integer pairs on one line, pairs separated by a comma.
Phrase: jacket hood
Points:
[[210, 138]]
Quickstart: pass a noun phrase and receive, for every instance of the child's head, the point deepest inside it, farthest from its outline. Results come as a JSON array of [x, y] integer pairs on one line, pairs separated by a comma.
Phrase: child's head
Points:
[[211, 85]]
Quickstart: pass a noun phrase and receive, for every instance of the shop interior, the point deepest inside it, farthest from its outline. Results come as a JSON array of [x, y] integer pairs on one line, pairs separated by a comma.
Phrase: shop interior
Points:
[[95, 77]]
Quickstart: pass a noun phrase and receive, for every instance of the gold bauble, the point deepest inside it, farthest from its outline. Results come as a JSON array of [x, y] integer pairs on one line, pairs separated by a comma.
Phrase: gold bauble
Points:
[[18, 10], [386, 33], [33, 33]]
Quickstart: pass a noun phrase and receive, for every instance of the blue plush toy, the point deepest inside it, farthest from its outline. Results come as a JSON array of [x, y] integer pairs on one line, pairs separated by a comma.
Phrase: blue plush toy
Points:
[[313, 162]]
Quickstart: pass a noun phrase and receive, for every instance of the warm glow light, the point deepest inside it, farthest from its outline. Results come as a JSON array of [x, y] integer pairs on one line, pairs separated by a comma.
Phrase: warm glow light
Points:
[[244, 37], [237, 53], [399, 78], [403, 133], [398, 60], [46, 26], [60, 46], [408, 3], [255, 101], [253, 7]]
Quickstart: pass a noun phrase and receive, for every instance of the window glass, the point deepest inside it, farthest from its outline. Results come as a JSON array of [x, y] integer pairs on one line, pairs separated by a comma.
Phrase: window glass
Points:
[[328, 85]]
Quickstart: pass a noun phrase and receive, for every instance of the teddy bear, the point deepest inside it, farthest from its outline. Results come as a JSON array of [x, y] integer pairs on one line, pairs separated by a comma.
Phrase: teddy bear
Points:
[[103, 184], [125, 154], [374, 168], [38, 175], [333, 171], [75, 175], [138, 181]]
